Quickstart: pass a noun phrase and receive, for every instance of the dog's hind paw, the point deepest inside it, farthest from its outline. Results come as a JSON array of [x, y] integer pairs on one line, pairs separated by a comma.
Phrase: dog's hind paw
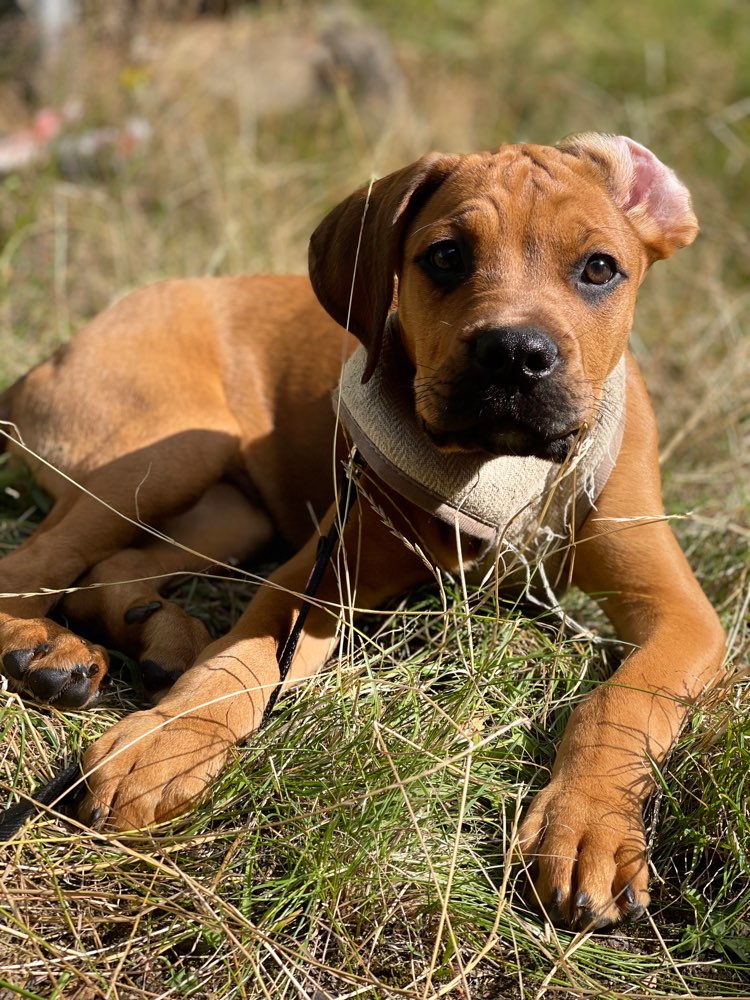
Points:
[[49, 664], [169, 642], [585, 854]]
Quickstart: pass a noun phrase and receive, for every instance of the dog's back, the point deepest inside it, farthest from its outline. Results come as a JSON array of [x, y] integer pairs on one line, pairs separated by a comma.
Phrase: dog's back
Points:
[[253, 359]]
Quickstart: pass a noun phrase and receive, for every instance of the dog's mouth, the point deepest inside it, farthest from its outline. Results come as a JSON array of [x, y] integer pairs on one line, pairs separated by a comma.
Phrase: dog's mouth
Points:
[[508, 437], [469, 414]]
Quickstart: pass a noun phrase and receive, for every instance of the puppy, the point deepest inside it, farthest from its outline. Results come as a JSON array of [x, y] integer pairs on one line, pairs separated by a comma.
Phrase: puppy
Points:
[[505, 429]]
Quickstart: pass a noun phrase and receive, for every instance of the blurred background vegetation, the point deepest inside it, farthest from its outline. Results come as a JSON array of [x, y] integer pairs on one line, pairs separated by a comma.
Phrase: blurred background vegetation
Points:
[[141, 140]]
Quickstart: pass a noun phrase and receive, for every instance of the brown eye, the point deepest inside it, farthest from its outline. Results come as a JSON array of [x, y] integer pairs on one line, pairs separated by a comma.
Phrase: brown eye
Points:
[[446, 264], [446, 257], [599, 270]]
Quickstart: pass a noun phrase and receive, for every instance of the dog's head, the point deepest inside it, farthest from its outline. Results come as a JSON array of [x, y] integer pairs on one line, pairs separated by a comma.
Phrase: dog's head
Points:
[[510, 277]]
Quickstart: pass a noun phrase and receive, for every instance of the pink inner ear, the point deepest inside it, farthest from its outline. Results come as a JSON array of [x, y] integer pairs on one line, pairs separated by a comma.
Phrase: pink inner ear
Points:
[[646, 172], [657, 186]]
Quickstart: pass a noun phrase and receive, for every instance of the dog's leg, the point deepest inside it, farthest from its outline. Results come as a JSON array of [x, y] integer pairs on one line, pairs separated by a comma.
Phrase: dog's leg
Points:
[[121, 597], [584, 834], [153, 765], [40, 658]]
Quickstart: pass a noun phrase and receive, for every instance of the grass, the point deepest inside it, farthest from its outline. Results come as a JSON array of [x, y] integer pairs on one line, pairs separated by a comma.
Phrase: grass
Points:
[[356, 848]]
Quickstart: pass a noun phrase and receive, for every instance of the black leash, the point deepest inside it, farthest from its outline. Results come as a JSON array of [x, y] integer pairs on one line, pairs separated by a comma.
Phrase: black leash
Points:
[[66, 788], [58, 792], [346, 495]]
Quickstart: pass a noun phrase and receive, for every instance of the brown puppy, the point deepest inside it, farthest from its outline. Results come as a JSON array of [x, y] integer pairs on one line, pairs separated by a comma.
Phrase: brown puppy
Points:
[[204, 407]]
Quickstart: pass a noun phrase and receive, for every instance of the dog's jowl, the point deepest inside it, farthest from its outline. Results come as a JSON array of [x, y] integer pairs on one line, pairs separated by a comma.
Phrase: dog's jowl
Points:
[[501, 420]]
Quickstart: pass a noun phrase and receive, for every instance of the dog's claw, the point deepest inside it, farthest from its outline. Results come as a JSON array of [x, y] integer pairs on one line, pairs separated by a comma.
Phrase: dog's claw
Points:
[[632, 909], [555, 910], [95, 817], [584, 917]]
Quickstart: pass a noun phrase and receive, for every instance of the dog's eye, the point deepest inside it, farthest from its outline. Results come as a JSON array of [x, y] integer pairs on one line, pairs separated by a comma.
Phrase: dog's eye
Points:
[[599, 270], [444, 263], [446, 257]]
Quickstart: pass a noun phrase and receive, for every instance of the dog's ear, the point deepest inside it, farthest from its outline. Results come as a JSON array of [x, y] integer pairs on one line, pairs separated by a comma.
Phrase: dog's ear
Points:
[[653, 198], [355, 252]]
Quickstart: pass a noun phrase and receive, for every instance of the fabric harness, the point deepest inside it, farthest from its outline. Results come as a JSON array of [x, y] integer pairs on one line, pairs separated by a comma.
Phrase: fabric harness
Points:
[[525, 510]]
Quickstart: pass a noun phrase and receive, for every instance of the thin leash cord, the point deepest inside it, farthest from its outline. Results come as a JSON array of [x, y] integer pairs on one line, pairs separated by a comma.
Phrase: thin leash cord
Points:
[[59, 790]]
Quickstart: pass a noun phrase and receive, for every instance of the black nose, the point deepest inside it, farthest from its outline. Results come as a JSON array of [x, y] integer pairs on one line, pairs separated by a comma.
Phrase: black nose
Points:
[[515, 353]]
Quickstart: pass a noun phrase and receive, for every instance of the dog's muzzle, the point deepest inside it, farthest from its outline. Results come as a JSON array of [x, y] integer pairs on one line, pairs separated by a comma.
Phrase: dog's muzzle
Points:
[[511, 398]]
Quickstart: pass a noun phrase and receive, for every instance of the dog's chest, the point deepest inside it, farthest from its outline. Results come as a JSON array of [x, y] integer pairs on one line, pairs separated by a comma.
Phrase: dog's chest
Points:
[[517, 515]]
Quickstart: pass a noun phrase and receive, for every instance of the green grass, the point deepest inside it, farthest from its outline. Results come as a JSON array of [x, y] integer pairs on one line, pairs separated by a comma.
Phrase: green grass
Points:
[[357, 846]]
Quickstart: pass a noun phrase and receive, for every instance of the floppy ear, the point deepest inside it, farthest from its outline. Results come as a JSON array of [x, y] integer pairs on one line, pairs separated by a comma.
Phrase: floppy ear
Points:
[[356, 250], [651, 195]]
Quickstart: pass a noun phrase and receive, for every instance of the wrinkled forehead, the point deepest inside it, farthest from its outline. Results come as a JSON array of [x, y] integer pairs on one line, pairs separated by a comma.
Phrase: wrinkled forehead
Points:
[[528, 194]]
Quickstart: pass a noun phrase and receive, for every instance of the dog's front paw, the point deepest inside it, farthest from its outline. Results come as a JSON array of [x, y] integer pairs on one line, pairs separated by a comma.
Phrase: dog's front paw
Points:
[[585, 849], [51, 665], [150, 767]]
